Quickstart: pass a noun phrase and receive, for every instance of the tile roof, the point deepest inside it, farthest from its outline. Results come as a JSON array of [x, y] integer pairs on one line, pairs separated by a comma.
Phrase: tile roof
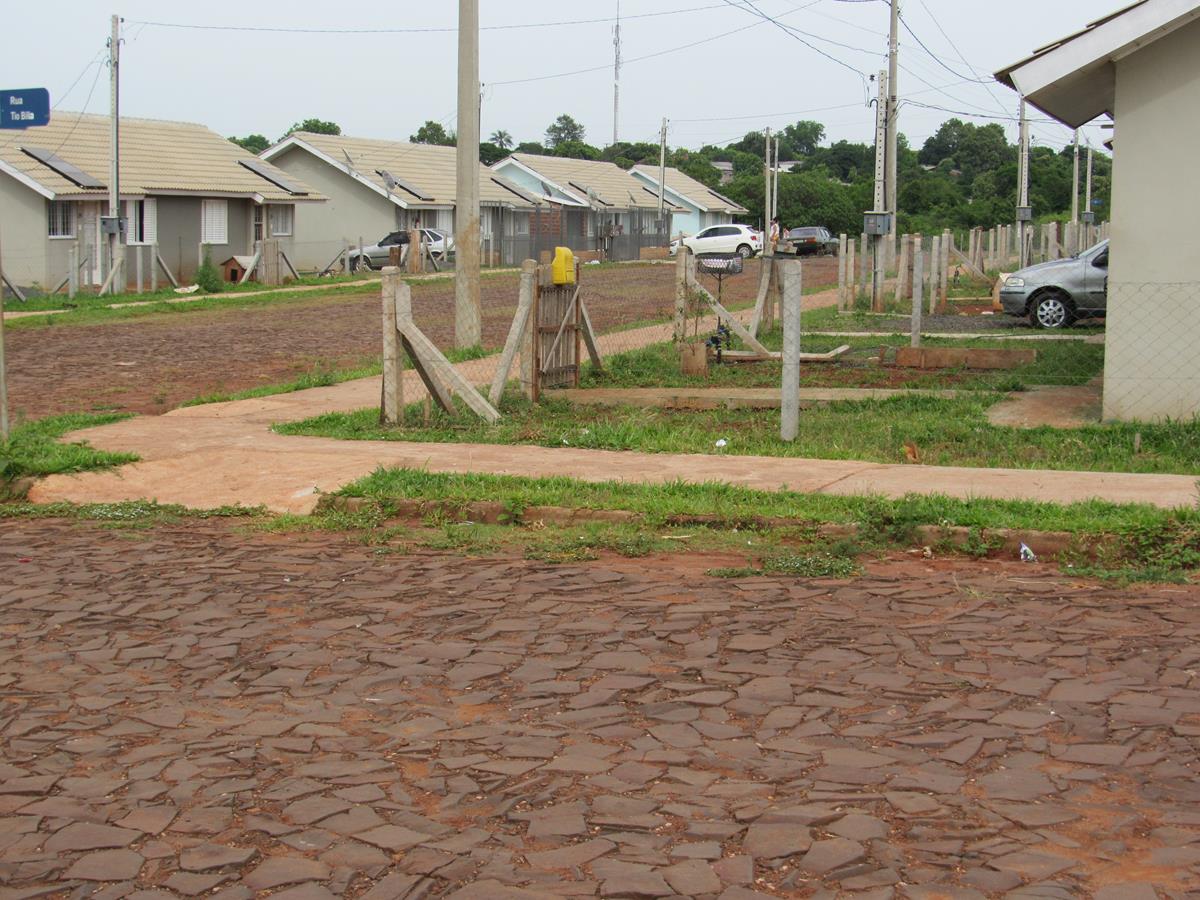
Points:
[[156, 157], [608, 182], [429, 168], [699, 193]]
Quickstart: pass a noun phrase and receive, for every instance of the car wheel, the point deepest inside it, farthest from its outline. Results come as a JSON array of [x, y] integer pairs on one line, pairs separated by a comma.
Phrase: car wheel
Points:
[[744, 251], [1051, 309], [360, 264]]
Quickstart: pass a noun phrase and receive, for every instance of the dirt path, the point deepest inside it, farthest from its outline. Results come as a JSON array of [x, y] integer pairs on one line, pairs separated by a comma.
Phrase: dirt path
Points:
[[193, 708]]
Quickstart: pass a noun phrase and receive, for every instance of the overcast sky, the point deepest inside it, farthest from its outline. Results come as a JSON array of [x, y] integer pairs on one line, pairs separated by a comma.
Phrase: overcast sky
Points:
[[741, 73]]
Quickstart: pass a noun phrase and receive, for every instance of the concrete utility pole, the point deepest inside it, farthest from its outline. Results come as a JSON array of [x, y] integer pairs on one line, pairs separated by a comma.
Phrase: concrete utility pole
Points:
[[1087, 202], [768, 213], [3, 371], [1023, 186], [468, 324], [1075, 181], [893, 113], [115, 255], [775, 188], [877, 240], [662, 174], [617, 75]]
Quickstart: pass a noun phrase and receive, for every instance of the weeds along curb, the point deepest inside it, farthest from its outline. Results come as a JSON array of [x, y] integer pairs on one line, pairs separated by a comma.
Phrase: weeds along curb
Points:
[[983, 542]]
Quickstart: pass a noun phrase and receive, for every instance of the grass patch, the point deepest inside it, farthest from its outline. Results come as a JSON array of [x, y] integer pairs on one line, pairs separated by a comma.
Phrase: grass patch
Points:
[[657, 365], [33, 448], [905, 428], [1152, 543]]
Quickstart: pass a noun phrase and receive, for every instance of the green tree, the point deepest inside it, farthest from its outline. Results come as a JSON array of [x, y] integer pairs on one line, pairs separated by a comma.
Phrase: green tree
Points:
[[564, 129], [801, 139], [501, 139], [531, 147], [255, 143], [576, 150], [433, 133], [315, 126], [490, 153]]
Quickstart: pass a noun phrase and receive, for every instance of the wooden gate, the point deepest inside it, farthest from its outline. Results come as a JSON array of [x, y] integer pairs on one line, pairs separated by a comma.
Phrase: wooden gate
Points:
[[558, 333]]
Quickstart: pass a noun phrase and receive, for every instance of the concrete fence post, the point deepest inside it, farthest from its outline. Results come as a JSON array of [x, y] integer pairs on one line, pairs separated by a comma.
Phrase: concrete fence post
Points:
[[935, 253], [790, 275], [841, 294], [851, 278], [73, 270], [393, 398], [681, 293], [918, 294]]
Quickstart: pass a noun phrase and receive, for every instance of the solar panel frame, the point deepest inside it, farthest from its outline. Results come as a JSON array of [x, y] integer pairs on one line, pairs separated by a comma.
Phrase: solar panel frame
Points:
[[67, 170]]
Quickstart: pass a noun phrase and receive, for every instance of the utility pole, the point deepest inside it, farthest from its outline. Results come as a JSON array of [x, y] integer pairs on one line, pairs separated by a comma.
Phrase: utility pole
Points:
[[1023, 211], [115, 254], [775, 188], [877, 240], [893, 116], [3, 371], [617, 76], [768, 213], [1075, 182], [468, 325], [662, 175], [1088, 215]]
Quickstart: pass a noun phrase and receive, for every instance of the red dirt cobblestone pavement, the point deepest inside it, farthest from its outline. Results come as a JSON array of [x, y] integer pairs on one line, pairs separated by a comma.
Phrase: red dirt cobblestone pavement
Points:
[[190, 708]]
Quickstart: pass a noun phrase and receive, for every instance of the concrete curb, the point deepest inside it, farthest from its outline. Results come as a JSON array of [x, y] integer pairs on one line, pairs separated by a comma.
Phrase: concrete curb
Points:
[[999, 541]]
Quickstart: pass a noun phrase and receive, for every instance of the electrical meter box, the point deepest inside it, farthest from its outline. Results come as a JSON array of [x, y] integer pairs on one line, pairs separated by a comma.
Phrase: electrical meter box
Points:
[[563, 267], [875, 223], [112, 225], [1089, 218], [1024, 213]]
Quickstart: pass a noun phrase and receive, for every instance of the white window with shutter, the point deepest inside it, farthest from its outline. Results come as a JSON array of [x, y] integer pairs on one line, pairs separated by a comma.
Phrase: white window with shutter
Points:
[[282, 218], [214, 221], [141, 218]]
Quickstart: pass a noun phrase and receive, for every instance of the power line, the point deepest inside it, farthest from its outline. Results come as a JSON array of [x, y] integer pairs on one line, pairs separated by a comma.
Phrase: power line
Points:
[[792, 33], [937, 58], [286, 29]]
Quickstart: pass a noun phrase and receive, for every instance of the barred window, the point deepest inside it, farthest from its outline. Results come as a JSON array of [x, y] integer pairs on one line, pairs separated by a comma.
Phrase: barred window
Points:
[[61, 219]]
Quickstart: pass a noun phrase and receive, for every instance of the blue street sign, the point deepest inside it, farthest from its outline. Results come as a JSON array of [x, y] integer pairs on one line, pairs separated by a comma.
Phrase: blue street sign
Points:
[[24, 108]]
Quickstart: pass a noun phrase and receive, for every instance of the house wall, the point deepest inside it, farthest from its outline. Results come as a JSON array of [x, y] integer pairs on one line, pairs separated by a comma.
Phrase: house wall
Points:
[[23, 224], [352, 211], [179, 235], [1152, 369]]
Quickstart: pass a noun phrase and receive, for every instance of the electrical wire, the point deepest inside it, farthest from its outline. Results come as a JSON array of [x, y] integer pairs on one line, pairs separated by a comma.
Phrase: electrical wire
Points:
[[754, 10], [82, 110], [282, 29]]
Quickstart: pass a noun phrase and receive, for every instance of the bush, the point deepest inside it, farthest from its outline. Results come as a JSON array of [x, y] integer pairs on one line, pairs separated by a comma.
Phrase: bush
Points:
[[208, 277]]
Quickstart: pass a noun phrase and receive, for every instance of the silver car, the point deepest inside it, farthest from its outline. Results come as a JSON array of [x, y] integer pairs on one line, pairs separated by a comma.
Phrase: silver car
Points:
[[1055, 294], [375, 256]]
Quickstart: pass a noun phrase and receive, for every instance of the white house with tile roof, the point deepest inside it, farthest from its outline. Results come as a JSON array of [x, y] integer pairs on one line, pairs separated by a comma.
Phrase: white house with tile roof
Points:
[[181, 185], [378, 186], [699, 206]]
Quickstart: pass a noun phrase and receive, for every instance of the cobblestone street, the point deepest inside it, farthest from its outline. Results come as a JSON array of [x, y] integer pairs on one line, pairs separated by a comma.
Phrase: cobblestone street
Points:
[[188, 708]]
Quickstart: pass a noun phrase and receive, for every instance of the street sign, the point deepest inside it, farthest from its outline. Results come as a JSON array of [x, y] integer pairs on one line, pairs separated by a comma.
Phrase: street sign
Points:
[[21, 108], [24, 108]]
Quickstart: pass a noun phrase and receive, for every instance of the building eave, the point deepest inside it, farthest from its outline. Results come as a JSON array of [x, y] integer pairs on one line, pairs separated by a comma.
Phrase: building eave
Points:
[[574, 199], [24, 179], [1074, 80]]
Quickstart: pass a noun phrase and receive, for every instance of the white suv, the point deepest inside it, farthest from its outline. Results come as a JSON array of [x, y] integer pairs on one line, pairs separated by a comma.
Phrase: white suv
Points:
[[740, 239]]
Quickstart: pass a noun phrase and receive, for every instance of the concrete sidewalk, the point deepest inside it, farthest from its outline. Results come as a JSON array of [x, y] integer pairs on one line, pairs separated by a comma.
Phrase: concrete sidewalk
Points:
[[225, 453]]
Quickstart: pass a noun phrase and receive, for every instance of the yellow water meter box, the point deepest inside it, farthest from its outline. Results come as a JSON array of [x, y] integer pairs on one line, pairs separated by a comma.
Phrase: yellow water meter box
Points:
[[563, 268]]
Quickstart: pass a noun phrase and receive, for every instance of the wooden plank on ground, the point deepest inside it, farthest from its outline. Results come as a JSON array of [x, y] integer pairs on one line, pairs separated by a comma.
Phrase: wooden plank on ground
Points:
[[964, 357]]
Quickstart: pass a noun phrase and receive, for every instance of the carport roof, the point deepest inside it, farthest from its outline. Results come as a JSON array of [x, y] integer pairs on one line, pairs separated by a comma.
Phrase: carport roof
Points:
[[1074, 79], [69, 159], [421, 175]]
